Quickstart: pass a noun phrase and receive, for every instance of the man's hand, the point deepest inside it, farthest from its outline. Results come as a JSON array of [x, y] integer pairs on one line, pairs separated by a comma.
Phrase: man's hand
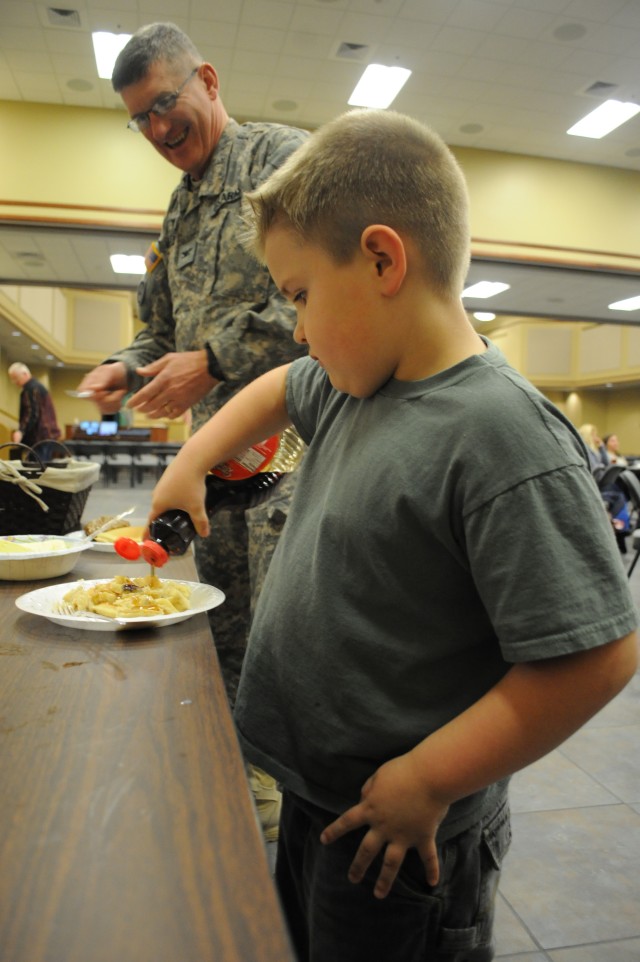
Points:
[[16, 436], [179, 380], [397, 807], [109, 385]]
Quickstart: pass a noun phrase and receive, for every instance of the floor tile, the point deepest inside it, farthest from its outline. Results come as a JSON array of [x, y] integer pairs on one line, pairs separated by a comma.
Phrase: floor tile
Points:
[[510, 934], [609, 755], [628, 951], [527, 957], [624, 709], [555, 782], [572, 876]]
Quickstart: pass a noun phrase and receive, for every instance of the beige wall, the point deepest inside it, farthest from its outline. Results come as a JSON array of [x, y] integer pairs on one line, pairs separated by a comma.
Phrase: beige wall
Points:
[[80, 159], [93, 160]]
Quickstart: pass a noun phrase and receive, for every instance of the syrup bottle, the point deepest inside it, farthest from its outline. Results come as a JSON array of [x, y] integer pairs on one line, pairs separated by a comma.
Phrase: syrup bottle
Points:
[[236, 481]]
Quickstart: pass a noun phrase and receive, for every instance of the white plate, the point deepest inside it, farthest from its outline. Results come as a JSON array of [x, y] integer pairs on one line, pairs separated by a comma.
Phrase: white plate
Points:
[[43, 601], [104, 546], [37, 565]]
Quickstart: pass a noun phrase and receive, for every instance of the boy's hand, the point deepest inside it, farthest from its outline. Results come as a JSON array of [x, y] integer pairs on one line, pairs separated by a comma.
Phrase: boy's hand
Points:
[[400, 813], [180, 487]]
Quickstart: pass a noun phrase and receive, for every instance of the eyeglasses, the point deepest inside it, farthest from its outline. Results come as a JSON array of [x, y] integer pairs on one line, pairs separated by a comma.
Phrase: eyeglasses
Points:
[[162, 106]]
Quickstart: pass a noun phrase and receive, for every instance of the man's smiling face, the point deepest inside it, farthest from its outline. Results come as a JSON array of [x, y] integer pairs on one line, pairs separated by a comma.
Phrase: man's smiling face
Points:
[[187, 135]]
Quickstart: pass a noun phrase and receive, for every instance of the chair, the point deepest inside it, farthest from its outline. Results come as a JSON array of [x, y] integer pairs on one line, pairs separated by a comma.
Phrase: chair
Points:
[[143, 461], [631, 488], [611, 473]]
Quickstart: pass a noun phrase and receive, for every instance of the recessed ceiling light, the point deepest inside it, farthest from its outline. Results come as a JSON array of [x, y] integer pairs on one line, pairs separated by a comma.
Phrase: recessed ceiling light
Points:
[[79, 85], [378, 86], [285, 104], [604, 119], [629, 304], [485, 289], [128, 264], [16, 333], [35, 347], [106, 47], [569, 31], [484, 316]]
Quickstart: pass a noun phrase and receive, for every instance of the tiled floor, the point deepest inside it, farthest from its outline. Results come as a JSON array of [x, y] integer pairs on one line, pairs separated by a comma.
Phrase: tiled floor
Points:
[[571, 885]]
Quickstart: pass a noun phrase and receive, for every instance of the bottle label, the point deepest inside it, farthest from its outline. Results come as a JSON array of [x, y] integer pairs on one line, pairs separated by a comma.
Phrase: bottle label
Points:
[[250, 462]]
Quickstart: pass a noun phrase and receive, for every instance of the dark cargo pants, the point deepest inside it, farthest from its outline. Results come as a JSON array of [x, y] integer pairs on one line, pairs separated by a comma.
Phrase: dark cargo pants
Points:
[[332, 920]]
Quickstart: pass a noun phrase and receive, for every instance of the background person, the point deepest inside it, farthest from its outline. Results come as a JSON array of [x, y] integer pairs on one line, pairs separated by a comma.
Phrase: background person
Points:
[[38, 421], [453, 628], [213, 319], [612, 447]]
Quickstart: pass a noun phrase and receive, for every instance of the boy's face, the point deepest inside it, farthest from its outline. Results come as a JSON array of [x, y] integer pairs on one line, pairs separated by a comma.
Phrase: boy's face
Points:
[[340, 315]]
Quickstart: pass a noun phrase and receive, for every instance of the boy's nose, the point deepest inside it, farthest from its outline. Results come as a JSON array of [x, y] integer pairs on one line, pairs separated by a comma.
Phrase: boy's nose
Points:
[[298, 334]]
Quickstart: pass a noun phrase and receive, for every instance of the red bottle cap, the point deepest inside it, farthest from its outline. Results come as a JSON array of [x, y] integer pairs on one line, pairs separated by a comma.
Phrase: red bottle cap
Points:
[[154, 554], [127, 548]]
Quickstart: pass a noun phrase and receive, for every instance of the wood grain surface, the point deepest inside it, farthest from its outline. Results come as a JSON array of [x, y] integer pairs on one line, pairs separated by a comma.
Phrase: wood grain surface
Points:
[[127, 829]]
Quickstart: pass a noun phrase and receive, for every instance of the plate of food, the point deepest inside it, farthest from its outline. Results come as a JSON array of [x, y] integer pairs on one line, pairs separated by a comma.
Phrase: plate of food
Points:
[[121, 603], [34, 557], [115, 528]]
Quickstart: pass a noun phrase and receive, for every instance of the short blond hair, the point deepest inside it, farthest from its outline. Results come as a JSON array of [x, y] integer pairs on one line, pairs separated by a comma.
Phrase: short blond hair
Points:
[[372, 167]]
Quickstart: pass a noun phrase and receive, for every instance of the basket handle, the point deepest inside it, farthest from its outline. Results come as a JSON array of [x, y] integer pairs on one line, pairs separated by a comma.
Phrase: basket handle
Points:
[[66, 450], [16, 444]]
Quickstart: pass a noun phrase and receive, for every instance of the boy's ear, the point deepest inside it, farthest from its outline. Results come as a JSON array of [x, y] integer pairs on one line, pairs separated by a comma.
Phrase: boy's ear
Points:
[[385, 248]]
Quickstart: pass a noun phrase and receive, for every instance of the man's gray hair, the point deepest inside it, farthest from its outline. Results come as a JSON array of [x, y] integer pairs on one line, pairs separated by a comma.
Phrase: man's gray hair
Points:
[[155, 42]]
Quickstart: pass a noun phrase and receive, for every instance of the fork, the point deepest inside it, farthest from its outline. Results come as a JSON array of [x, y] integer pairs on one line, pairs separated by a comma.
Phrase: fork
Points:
[[64, 608]]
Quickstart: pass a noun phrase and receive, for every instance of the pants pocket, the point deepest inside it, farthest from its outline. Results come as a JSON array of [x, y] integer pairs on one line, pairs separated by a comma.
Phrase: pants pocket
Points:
[[471, 872]]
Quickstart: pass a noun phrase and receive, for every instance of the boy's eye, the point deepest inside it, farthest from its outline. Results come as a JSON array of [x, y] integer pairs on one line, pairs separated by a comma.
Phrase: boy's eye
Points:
[[300, 297]]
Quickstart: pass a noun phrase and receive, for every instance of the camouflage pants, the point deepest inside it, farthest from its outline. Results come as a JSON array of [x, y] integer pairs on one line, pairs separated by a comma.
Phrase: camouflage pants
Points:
[[235, 558]]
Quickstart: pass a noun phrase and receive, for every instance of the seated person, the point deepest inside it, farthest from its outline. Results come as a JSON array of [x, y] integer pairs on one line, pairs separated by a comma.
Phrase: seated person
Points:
[[612, 447]]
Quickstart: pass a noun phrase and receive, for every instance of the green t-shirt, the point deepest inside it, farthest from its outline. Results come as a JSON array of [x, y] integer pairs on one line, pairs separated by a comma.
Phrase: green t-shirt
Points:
[[441, 530]]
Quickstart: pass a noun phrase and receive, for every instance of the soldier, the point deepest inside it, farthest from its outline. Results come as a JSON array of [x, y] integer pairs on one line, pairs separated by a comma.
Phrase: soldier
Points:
[[213, 317]]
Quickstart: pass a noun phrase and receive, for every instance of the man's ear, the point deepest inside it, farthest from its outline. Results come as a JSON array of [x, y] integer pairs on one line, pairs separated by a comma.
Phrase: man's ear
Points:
[[210, 80], [384, 247]]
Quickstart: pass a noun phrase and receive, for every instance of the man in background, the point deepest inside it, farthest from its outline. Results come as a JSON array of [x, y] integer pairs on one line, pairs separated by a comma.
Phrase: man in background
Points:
[[37, 417], [213, 318]]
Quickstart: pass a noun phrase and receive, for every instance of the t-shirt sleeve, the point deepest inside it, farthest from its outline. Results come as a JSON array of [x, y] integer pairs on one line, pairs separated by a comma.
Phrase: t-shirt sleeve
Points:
[[308, 392], [545, 561]]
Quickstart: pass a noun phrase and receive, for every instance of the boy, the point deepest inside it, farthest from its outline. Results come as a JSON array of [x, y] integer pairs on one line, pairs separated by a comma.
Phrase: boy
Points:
[[456, 624]]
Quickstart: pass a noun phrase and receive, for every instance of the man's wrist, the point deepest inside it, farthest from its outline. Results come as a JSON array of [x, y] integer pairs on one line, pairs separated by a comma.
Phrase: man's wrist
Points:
[[212, 364]]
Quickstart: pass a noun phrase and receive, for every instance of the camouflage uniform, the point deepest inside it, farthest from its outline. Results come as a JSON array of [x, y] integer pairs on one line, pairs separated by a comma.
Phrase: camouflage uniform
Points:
[[203, 289]]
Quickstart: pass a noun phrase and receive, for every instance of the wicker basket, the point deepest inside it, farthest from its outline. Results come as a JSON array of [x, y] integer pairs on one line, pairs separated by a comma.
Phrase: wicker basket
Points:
[[43, 498]]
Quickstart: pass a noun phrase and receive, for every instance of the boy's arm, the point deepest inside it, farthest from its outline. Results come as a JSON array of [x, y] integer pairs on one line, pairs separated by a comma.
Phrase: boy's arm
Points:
[[534, 708], [255, 413]]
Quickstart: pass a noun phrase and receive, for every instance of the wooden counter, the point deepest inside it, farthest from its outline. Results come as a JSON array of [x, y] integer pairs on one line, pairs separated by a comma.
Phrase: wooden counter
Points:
[[127, 829]]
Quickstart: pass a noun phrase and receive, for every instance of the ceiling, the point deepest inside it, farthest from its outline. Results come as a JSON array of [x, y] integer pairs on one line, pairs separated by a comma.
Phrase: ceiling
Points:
[[508, 75]]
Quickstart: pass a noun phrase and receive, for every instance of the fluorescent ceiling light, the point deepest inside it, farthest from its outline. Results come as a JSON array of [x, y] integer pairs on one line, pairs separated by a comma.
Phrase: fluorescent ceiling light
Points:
[[485, 289], [604, 119], [379, 86], [484, 316], [106, 47], [128, 263], [629, 304]]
